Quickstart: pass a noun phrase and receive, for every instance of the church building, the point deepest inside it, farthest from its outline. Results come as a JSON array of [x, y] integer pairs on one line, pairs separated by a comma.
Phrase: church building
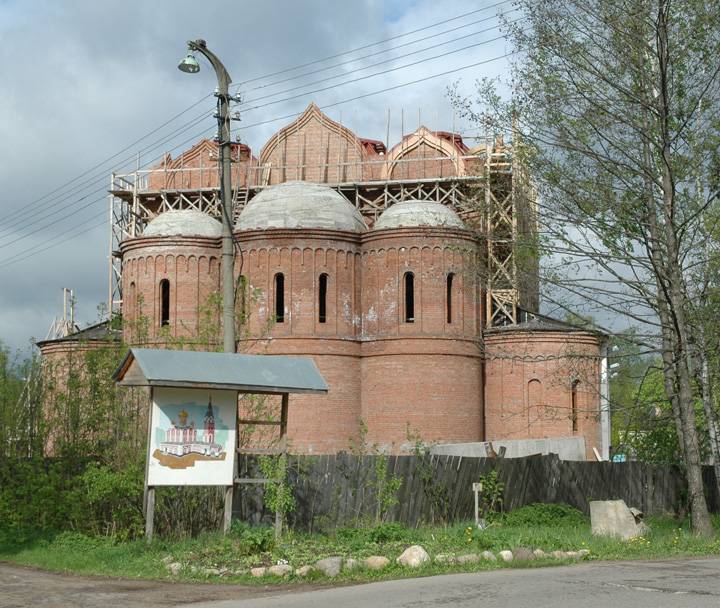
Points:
[[394, 269]]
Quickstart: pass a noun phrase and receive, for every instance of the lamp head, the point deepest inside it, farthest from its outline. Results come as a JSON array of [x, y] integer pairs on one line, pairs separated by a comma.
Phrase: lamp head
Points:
[[189, 65]]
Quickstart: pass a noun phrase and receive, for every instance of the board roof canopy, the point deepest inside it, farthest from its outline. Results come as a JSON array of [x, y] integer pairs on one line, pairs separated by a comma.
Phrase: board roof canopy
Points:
[[267, 374]]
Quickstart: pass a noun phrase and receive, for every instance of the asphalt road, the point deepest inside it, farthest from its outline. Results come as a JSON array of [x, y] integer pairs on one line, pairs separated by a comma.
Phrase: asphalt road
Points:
[[679, 583]]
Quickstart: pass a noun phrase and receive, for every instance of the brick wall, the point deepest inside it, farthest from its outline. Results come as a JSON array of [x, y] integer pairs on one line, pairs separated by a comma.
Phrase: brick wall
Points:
[[529, 378], [191, 265]]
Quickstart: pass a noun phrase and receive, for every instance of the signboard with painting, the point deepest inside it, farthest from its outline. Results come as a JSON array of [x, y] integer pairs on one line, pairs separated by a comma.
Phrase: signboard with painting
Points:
[[193, 418], [192, 437]]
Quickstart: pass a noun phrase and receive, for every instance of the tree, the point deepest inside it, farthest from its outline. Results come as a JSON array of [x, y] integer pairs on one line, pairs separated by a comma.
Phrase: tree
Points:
[[616, 112]]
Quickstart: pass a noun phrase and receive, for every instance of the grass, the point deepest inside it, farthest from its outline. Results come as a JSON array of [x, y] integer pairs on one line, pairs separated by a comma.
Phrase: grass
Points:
[[547, 527]]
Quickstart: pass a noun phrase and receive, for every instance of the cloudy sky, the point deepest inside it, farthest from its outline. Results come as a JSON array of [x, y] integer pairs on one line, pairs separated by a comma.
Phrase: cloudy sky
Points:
[[83, 81]]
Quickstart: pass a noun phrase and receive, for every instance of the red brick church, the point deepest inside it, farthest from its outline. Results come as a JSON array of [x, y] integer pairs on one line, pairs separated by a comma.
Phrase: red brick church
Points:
[[393, 267]]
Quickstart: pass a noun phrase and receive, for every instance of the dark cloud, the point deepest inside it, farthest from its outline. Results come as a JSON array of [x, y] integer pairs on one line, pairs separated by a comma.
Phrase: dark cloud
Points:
[[83, 79]]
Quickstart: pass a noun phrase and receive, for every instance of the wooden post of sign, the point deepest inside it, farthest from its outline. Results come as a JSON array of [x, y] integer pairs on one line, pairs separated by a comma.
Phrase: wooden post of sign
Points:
[[150, 514], [149, 493], [227, 513], [283, 450]]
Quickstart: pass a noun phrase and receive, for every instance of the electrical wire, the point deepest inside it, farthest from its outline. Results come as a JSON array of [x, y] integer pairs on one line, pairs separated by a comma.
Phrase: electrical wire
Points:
[[31, 251], [43, 215], [21, 210], [366, 46]]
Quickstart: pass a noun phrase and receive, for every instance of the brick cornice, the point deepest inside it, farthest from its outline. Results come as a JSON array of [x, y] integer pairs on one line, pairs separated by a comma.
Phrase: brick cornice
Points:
[[166, 242], [420, 232], [305, 234]]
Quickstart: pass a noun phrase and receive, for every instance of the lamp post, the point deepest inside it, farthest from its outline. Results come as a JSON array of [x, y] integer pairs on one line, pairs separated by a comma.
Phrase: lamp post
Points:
[[191, 66]]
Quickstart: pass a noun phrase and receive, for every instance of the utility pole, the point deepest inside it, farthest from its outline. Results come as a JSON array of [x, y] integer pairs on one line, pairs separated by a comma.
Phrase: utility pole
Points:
[[191, 66]]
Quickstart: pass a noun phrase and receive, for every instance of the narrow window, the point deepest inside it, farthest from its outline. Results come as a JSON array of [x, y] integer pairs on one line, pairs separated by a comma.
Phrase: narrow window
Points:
[[164, 302], [535, 405], [132, 304], [409, 297], [448, 296], [322, 298], [574, 406], [279, 298]]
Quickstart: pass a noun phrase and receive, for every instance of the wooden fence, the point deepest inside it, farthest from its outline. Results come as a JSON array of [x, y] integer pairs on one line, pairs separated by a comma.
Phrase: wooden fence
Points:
[[348, 490]]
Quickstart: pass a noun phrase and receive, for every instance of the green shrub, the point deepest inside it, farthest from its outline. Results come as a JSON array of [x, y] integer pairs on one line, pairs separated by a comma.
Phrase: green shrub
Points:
[[77, 541], [39, 498], [388, 532], [251, 540], [113, 500], [544, 514]]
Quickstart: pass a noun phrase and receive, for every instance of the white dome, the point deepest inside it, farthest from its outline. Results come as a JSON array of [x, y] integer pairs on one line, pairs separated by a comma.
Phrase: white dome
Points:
[[185, 222], [418, 213], [300, 205]]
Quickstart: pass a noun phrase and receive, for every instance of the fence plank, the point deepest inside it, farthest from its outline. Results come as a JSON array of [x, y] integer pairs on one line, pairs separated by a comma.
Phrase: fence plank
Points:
[[338, 490]]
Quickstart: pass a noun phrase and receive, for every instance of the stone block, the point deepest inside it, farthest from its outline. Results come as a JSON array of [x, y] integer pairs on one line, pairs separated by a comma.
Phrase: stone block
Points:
[[614, 518], [304, 570], [413, 557], [280, 570], [330, 566], [376, 562]]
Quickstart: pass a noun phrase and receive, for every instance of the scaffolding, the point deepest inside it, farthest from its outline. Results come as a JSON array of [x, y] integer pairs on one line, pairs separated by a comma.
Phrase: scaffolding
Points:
[[485, 195]]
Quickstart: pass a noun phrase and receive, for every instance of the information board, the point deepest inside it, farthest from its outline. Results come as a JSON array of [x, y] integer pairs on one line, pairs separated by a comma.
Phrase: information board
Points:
[[192, 437]]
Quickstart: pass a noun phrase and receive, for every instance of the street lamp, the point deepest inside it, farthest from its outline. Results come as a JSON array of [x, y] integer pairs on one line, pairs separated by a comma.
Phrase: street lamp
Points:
[[190, 65]]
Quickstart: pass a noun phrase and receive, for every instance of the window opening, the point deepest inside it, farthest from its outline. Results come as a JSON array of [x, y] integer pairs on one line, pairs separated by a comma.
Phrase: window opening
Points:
[[322, 298], [409, 297], [279, 298], [574, 405], [448, 296], [164, 303]]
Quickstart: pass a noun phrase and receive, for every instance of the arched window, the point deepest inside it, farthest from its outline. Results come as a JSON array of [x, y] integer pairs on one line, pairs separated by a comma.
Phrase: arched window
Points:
[[448, 296], [535, 404], [279, 298], [409, 282], [129, 308], [322, 298], [574, 405], [164, 302]]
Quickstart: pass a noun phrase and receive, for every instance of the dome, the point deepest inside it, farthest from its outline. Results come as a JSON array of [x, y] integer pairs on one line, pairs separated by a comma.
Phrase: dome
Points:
[[185, 222], [300, 205], [418, 213]]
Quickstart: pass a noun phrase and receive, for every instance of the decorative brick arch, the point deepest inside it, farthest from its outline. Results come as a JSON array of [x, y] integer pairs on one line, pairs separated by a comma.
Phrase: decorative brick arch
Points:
[[425, 137], [196, 167], [314, 148]]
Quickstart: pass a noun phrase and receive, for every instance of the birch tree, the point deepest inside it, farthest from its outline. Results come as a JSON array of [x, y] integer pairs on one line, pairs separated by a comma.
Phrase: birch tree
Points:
[[615, 108]]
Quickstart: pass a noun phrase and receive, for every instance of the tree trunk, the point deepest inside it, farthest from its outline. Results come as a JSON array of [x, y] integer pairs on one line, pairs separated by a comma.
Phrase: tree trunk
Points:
[[710, 413]]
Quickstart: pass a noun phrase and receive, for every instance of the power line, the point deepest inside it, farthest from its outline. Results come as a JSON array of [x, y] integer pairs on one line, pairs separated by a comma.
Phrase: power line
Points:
[[353, 80], [29, 252], [360, 48], [101, 163], [44, 215], [384, 51], [384, 61], [21, 210], [25, 254]]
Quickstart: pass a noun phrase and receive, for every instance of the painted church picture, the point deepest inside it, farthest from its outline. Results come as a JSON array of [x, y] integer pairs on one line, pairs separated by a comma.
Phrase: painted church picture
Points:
[[184, 438], [192, 437]]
